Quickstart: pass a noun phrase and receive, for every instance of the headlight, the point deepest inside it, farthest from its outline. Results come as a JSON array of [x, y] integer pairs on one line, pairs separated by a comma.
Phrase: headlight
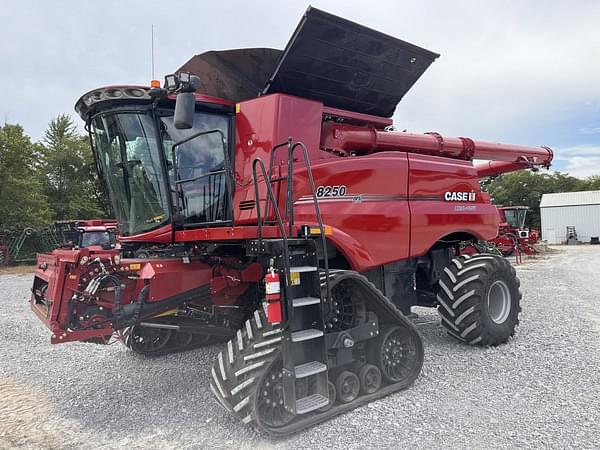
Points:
[[171, 82], [117, 259], [83, 260]]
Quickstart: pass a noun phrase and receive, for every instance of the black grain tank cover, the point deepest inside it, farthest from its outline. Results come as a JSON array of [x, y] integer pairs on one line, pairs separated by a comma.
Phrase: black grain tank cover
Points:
[[347, 66], [234, 75], [329, 59]]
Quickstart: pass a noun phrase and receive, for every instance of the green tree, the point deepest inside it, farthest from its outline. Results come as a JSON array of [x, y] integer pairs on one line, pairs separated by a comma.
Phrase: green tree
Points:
[[593, 183], [22, 200], [70, 180], [525, 188]]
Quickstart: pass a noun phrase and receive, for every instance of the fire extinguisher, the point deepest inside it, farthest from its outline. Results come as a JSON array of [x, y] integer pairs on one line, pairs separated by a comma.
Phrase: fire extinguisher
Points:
[[273, 291]]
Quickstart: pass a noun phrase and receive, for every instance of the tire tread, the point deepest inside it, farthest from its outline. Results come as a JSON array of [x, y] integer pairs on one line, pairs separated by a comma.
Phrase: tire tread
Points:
[[460, 299]]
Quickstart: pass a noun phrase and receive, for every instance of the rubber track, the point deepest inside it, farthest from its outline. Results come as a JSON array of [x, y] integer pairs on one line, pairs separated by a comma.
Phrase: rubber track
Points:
[[240, 368], [461, 299]]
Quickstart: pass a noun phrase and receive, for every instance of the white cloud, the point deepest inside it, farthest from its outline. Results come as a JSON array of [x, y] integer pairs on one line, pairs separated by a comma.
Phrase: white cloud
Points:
[[578, 150], [580, 161], [504, 64]]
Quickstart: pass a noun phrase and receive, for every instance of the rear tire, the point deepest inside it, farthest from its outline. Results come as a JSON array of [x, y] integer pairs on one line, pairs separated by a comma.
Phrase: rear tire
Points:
[[479, 299]]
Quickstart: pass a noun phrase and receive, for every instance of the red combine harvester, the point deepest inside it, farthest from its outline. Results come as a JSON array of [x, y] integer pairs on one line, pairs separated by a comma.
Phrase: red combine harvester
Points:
[[303, 229]]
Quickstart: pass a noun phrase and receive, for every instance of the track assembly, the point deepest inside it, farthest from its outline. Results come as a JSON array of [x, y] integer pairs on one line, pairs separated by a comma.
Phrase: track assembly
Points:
[[248, 377]]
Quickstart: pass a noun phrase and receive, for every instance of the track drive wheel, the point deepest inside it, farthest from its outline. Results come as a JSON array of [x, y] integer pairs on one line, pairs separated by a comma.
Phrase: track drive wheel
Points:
[[479, 299]]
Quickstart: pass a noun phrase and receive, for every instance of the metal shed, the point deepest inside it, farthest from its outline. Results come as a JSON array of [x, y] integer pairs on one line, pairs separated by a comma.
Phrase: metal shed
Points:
[[565, 209]]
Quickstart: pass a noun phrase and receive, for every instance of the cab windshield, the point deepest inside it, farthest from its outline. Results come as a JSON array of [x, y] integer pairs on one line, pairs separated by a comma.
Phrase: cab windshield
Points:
[[130, 159], [515, 217], [133, 162], [103, 238]]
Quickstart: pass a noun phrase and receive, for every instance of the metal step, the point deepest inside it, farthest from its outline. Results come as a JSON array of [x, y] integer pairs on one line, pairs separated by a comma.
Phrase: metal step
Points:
[[305, 335], [303, 269], [309, 368], [310, 403], [305, 301]]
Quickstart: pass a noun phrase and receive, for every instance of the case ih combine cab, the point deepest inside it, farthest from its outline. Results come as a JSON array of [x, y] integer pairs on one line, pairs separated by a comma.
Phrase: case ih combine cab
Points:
[[303, 228]]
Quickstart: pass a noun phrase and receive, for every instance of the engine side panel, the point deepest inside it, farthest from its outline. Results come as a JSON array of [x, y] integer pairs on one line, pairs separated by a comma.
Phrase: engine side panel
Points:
[[364, 199], [445, 198]]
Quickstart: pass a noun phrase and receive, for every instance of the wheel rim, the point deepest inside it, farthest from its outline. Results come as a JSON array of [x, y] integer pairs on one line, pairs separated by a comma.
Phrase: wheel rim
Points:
[[345, 310], [270, 399], [145, 339], [370, 379], [498, 301], [348, 387], [398, 355]]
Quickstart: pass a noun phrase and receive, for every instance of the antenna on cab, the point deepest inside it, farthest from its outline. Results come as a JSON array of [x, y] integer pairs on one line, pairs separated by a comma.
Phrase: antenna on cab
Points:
[[154, 83]]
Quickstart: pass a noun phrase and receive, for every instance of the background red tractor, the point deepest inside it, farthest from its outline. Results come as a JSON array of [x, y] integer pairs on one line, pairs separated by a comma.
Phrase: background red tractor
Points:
[[87, 233], [513, 235]]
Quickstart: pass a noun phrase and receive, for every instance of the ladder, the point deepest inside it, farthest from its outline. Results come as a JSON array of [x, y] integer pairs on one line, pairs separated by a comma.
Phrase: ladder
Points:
[[304, 351]]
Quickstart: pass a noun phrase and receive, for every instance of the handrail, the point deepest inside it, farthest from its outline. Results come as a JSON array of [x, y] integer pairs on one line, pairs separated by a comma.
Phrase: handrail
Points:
[[317, 209], [270, 195], [287, 144], [290, 194]]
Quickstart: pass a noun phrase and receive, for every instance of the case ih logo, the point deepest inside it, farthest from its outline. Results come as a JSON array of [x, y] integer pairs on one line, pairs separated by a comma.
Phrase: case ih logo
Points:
[[459, 196]]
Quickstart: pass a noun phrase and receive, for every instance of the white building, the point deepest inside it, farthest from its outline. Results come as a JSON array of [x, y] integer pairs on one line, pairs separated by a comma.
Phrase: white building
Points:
[[570, 209]]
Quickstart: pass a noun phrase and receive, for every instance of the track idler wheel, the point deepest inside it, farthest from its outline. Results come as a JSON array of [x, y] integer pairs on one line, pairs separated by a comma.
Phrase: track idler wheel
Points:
[[148, 341], [397, 353], [182, 339], [369, 376], [347, 386]]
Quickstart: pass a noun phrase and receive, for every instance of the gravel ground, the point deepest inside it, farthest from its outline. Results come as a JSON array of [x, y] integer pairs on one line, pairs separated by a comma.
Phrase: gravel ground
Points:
[[539, 390]]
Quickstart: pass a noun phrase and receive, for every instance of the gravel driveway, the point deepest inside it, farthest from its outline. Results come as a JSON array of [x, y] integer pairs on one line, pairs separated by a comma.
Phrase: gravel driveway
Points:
[[542, 389]]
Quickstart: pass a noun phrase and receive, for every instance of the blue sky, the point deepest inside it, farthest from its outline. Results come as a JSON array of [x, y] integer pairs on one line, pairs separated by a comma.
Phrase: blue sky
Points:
[[509, 71]]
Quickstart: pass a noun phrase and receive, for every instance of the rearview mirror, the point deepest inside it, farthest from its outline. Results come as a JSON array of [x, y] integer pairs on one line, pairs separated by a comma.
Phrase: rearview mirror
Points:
[[184, 110]]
